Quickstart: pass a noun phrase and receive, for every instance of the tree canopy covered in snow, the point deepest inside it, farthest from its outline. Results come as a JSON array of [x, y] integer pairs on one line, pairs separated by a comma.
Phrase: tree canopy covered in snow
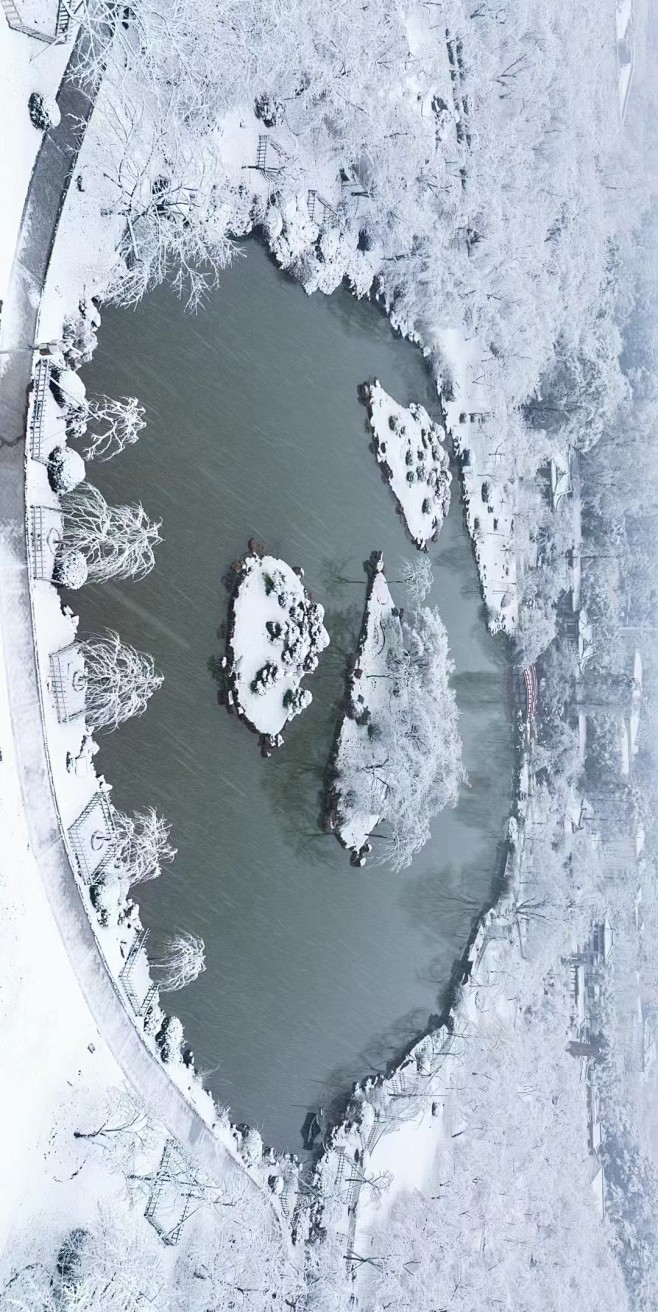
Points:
[[120, 680], [116, 541], [398, 758]]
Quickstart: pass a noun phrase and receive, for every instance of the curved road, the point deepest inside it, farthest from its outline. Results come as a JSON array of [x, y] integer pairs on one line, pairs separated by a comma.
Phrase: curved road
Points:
[[18, 328]]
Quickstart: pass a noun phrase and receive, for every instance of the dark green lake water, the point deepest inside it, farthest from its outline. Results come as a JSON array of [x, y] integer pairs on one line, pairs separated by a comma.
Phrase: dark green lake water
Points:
[[317, 973]]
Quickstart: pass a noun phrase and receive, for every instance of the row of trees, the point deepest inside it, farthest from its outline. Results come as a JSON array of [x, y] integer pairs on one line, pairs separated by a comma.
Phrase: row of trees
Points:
[[503, 224], [110, 543]]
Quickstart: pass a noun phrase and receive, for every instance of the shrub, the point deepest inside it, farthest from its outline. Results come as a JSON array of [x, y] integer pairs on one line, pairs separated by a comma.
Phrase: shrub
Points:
[[169, 1038], [265, 677], [44, 111], [65, 469], [296, 700], [70, 570]]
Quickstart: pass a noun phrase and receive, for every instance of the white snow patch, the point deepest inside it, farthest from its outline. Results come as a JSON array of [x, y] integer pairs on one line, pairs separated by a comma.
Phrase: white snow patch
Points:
[[21, 73]]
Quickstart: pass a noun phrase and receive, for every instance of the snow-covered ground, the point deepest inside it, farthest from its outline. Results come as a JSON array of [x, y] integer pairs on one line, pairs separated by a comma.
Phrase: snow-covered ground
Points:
[[406, 1126], [409, 447], [623, 15], [276, 634], [26, 65], [489, 477], [475, 1144]]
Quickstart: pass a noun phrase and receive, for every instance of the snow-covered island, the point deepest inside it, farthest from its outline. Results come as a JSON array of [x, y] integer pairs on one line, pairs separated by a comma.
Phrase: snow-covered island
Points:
[[275, 635], [398, 751], [409, 447]]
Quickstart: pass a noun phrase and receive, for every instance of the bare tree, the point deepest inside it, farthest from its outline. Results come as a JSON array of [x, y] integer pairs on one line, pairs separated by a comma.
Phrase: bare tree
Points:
[[116, 541], [417, 577], [143, 844], [123, 1129], [120, 680], [165, 182], [182, 962], [115, 424]]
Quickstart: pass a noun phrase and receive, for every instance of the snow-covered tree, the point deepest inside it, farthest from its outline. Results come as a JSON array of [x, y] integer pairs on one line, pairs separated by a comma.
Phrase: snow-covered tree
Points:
[[108, 1264], [420, 742], [182, 961], [417, 577], [116, 541], [142, 844], [236, 1260], [120, 680], [108, 425], [122, 1129]]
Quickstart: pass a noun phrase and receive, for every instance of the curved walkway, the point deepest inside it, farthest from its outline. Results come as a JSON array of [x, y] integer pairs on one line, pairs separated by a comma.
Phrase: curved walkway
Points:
[[20, 315]]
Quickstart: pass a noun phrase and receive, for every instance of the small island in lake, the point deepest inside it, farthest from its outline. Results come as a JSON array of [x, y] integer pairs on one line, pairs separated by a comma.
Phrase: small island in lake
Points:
[[275, 635], [409, 447], [397, 761]]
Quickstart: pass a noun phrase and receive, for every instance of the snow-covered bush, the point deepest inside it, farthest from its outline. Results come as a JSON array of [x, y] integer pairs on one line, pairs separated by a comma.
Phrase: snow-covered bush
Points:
[[68, 389], [70, 569], [170, 1038], [250, 1144], [296, 700], [65, 469], [104, 901], [79, 335], [268, 110], [265, 678], [44, 111]]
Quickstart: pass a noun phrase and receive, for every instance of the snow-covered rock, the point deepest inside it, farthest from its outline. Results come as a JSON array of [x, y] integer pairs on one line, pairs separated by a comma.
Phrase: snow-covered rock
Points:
[[276, 633], [409, 447]]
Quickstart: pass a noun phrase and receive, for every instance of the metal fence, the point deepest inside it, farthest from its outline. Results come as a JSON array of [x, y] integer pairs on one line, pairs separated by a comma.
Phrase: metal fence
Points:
[[46, 532], [61, 31], [68, 682], [93, 838], [37, 409], [140, 1005]]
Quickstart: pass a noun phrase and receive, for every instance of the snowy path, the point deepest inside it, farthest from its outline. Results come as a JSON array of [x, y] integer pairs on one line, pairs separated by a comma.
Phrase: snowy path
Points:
[[19, 325]]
